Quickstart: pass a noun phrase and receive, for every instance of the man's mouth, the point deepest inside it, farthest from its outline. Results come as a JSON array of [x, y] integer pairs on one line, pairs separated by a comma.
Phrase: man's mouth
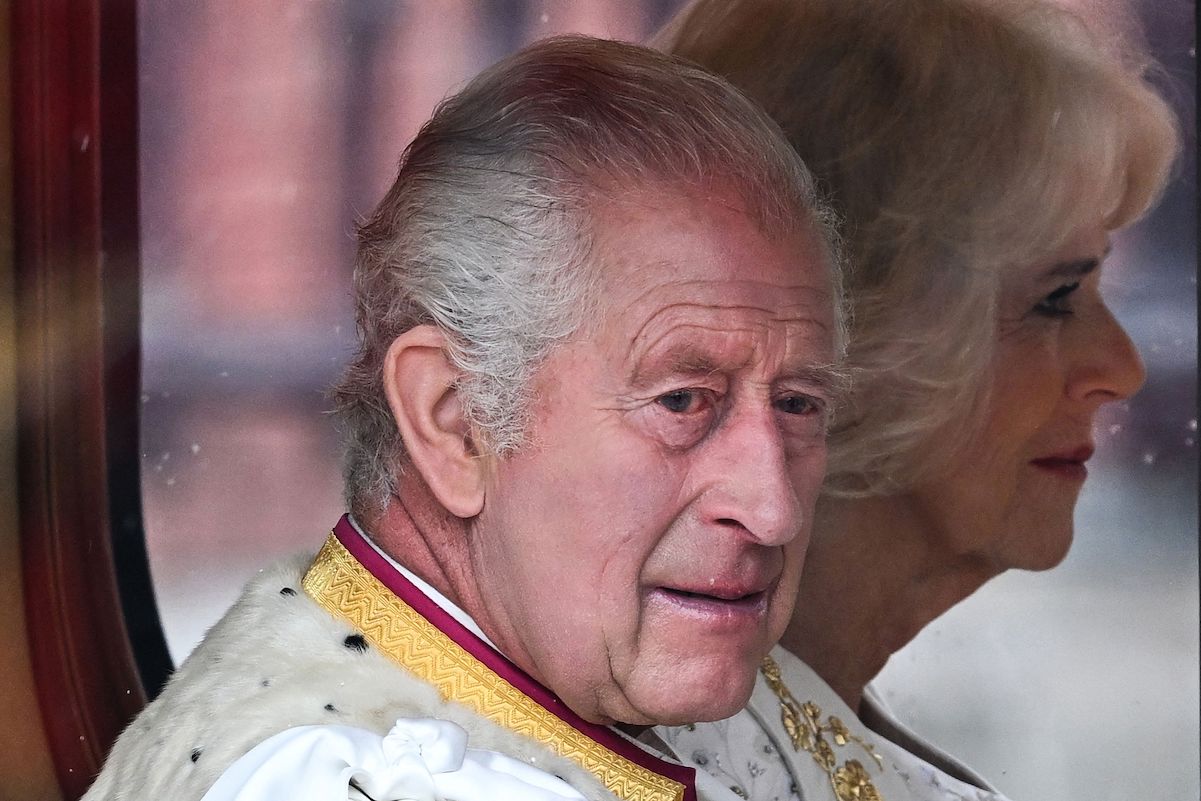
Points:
[[723, 597], [715, 606]]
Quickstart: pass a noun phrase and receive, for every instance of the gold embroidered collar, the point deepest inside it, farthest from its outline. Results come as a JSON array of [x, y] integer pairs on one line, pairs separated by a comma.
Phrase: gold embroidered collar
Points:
[[399, 620]]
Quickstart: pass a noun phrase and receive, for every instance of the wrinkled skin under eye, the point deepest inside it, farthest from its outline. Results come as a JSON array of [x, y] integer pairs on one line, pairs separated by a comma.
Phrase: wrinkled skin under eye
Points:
[[682, 417]]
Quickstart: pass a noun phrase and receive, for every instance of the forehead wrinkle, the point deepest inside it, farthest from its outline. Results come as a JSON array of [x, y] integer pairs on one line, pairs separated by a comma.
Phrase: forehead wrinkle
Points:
[[789, 315], [714, 349], [713, 292]]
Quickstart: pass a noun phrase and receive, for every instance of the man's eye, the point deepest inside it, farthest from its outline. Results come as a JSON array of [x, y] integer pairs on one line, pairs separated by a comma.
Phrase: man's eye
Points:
[[799, 404], [1057, 304], [681, 401]]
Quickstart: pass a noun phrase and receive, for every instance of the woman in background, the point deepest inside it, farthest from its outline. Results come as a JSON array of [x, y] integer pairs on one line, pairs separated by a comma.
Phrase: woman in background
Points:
[[981, 155]]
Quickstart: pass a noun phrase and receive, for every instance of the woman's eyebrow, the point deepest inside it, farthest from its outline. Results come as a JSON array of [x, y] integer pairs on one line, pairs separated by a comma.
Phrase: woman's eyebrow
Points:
[[1076, 268]]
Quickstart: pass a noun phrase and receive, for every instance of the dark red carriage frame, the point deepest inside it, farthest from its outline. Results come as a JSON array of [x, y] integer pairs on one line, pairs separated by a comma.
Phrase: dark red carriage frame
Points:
[[95, 639]]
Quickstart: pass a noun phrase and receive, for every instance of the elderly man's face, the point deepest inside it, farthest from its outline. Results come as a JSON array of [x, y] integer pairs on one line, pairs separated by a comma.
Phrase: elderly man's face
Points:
[[641, 554]]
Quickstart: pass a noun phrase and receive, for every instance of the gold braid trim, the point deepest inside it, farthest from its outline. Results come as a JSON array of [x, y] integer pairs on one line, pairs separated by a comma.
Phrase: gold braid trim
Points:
[[343, 587], [802, 722]]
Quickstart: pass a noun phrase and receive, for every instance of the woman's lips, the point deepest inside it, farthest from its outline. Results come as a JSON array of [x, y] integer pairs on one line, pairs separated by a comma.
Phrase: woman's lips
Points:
[[1068, 464]]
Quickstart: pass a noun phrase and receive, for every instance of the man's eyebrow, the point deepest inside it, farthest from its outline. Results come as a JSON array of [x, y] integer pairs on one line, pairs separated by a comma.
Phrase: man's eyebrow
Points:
[[683, 360], [830, 378], [686, 359]]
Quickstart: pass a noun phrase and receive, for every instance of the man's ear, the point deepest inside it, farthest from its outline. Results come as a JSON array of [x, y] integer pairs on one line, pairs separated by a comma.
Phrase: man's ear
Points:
[[419, 381]]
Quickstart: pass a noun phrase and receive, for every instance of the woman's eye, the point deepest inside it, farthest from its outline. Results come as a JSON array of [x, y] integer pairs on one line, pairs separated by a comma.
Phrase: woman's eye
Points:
[[1057, 304], [681, 401]]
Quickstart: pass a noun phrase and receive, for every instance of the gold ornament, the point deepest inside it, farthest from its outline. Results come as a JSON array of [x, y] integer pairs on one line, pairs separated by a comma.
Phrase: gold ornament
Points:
[[803, 724]]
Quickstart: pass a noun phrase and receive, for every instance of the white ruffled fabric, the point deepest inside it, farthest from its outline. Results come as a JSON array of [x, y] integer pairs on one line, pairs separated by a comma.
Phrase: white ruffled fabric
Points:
[[420, 759]]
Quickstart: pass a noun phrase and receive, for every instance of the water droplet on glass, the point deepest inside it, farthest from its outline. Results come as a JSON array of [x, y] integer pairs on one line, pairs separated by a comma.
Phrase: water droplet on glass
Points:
[[1148, 458], [1189, 442], [1115, 428], [145, 399], [171, 481], [195, 447], [224, 373], [545, 18], [166, 457], [1192, 424]]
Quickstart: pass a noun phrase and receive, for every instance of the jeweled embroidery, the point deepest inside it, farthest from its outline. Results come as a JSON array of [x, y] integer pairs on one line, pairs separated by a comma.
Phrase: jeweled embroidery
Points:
[[803, 724]]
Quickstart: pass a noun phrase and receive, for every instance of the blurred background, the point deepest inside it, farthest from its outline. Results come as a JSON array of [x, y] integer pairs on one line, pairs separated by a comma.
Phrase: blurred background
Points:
[[269, 128]]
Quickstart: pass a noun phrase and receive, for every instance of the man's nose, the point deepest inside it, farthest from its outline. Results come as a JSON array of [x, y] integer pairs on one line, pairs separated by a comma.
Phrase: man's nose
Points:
[[1105, 365], [750, 481]]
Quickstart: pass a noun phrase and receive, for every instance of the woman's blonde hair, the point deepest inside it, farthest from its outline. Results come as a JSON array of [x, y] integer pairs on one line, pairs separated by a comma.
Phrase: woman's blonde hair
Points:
[[956, 138]]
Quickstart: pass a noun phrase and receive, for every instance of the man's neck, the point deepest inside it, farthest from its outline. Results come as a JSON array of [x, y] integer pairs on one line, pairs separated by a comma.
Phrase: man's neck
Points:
[[422, 535], [425, 588], [873, 578], [418, 537]]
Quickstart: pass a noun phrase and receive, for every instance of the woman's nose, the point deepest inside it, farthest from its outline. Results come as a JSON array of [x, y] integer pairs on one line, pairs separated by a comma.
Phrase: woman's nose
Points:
[[1108, 366]]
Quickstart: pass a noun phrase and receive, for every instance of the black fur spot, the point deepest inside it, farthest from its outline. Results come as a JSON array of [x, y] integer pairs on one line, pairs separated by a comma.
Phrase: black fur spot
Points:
[[330, 708], [355, 642], [265, 683], [287, 591], [196, 754]]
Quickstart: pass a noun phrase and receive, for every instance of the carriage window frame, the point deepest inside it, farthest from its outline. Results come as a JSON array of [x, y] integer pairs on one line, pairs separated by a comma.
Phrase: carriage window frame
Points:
[[96, 643]]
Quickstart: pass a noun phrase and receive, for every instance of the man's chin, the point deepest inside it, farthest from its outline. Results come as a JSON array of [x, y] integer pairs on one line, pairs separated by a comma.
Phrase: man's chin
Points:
[[682, 697]]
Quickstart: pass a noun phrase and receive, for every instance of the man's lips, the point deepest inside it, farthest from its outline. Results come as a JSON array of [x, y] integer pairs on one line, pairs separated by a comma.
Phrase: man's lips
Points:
[[717, 606], [1068, 463], [725, 596]]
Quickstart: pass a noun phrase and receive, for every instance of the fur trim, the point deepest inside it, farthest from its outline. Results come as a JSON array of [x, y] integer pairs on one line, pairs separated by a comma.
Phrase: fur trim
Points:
[[277, 660]]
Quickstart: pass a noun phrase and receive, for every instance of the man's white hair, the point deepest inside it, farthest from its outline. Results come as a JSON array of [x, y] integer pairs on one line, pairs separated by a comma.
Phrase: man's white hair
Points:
[[485, 232]]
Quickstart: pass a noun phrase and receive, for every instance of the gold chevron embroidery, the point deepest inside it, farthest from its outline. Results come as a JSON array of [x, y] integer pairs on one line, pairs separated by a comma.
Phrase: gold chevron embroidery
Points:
[[342, 586]]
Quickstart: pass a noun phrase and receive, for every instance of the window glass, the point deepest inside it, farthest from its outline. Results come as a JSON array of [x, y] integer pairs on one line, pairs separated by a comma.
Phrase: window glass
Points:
[[268, 129]]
